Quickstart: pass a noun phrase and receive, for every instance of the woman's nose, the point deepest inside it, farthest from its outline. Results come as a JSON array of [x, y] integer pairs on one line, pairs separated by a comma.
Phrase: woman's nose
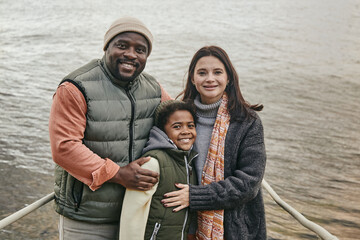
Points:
[[210, 77]]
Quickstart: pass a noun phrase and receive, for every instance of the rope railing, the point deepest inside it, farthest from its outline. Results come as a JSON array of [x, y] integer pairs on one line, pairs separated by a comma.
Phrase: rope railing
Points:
[[320, 231]]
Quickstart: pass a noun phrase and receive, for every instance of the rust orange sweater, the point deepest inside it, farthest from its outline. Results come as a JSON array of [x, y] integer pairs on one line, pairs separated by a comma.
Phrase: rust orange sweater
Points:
[[66, 129]]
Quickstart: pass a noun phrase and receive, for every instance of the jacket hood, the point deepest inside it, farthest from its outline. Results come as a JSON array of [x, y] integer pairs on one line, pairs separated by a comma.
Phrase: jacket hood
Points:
[[158, 140]]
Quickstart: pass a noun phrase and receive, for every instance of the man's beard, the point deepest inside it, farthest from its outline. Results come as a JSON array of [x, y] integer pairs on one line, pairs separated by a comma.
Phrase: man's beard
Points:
[[136, 73]]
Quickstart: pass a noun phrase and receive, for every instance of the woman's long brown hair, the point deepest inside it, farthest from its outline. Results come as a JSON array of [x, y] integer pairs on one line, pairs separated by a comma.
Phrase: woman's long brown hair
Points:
[[237, 105]]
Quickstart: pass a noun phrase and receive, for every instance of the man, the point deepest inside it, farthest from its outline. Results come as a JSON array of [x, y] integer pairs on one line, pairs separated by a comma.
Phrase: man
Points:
[[99, 123]]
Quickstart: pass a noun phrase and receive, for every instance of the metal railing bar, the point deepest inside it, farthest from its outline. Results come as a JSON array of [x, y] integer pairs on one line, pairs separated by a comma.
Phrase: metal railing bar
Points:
[[320, 231], [26, 210]]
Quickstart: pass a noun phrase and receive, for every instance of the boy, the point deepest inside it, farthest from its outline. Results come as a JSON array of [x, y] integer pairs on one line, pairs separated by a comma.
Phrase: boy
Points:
[[170, 146]]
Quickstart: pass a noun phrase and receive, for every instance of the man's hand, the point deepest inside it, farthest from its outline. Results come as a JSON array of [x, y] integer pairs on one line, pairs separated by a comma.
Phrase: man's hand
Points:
[[132, 176]]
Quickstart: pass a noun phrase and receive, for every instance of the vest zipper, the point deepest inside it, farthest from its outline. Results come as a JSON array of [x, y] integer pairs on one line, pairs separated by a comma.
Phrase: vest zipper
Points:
[[131, 128], [155, 232]]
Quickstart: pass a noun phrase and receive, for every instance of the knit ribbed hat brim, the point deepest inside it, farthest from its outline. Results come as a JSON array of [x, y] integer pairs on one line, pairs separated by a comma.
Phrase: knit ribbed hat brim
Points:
[[128, 24]]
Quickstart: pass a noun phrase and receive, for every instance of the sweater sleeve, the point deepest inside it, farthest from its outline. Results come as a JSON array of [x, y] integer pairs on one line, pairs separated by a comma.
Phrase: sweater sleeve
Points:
[[164, 95], [136, 207], [67, 124], [245, 181]]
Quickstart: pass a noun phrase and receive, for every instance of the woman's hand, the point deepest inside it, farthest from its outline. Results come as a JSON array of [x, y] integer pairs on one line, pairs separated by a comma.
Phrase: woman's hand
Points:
[[191, 237], [178, 199]]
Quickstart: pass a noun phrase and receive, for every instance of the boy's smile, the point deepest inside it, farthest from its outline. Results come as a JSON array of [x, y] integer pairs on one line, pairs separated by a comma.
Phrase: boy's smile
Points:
[[180, 128]]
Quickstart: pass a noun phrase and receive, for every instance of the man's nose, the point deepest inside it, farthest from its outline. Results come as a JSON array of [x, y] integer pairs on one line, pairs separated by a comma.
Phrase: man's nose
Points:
[[130, 53]]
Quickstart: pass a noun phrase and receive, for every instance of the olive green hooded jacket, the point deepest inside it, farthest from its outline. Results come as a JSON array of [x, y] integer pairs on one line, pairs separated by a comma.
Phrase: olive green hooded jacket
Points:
[[175, 167]]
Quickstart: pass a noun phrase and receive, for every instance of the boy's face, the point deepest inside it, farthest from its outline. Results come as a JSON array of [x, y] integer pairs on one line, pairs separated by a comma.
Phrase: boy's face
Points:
[[180, 128]]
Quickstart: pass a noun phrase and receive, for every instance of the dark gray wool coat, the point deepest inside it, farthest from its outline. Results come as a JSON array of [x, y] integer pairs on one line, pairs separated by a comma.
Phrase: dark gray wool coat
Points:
[[239, 194]]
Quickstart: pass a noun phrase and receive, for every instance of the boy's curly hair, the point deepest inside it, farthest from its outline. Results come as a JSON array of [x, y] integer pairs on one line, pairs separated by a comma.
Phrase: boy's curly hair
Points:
[[166, 108]]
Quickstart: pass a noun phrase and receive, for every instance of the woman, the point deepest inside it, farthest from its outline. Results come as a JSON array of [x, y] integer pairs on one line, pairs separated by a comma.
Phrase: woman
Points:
[[231, 161]]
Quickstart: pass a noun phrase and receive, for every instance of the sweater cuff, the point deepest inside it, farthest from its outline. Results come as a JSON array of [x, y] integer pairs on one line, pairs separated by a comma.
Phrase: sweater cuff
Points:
[[200, 197], [103, 174]]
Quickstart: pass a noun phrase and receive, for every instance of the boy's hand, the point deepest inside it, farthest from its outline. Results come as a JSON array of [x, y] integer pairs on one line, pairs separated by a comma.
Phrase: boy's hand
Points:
[[132, 176]]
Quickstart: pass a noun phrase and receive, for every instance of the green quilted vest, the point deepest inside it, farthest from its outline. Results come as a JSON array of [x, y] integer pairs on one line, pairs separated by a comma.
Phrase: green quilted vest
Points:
[[118, 122]]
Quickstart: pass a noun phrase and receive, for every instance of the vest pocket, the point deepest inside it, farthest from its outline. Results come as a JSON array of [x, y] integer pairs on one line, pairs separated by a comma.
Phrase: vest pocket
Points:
[[156, 230], [77, 191]]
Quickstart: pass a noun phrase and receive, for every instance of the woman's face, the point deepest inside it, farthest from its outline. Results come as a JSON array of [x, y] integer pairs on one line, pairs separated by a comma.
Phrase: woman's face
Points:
[[210, 79]]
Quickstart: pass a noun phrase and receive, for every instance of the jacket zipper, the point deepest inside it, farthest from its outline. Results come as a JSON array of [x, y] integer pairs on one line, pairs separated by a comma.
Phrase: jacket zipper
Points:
[[190, 167], [188, 182], [188, 174], [156, 230], [131, 128]]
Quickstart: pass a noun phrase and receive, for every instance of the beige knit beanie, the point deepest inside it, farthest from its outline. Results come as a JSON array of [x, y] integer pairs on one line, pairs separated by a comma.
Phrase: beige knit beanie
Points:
[[128, 24]]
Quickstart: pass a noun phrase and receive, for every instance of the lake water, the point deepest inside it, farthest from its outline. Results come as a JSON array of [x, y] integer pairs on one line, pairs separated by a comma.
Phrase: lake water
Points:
[[301, 59]]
